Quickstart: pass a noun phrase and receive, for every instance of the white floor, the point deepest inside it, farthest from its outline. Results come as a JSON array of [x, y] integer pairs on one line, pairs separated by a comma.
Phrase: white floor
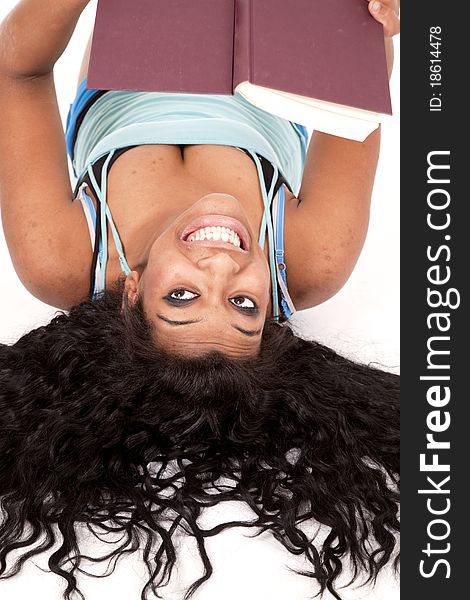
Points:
[[361, 321]]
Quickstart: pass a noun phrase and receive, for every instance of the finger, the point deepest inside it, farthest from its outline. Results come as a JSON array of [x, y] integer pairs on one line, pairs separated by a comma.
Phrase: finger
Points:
[[386, 16]]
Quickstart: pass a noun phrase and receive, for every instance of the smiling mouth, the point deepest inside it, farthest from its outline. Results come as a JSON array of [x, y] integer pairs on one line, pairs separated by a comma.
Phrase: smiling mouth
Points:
[[224, 234], [217, 230]]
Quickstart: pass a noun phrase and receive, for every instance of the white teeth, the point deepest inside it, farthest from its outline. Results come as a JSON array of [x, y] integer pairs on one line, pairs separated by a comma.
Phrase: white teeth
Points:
[[215, 233]]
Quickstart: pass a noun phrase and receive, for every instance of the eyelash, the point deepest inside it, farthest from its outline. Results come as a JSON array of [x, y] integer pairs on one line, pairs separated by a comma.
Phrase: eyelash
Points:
[[253, 310]]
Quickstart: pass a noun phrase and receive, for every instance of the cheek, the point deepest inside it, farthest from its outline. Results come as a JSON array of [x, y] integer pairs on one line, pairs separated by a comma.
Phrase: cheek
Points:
[[264, 273], [163, 255], [259, 280], [161, 267]]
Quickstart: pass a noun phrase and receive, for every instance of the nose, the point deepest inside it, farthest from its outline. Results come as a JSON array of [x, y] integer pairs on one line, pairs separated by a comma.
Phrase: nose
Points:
[[219, 263]]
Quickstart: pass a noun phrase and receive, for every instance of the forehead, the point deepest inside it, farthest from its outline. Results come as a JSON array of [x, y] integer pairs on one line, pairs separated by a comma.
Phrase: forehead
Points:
[[202, 337]]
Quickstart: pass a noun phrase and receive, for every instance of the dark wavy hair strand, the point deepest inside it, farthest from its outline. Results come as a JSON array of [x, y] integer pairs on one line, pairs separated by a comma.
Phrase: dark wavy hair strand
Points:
[[100, 428]]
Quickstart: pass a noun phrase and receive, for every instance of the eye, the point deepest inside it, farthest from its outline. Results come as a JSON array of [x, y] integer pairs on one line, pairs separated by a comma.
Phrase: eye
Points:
[[244, 304], [180, 296], [183, 295]]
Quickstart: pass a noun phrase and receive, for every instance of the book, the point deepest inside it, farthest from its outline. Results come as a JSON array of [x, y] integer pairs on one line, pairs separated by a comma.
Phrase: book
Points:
[[319, 63]]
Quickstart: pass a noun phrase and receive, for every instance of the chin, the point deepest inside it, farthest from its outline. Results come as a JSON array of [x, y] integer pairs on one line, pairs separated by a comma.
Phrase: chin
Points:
[[219, 196]]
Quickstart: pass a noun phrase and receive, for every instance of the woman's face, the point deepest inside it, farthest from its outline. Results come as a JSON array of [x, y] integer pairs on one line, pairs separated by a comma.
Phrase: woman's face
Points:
[[206, 285]]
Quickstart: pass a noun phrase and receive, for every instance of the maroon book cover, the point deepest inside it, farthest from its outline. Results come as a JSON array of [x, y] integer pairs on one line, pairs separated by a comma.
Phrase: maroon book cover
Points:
[[329, 50], [163, 45]]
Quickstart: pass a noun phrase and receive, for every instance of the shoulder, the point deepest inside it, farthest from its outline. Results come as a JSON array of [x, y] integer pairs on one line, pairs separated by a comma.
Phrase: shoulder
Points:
[[315, 272], [52, 257], [58, 280]]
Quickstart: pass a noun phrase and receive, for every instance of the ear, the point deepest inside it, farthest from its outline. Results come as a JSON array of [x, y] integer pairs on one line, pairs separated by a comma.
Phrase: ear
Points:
[[131, 287]]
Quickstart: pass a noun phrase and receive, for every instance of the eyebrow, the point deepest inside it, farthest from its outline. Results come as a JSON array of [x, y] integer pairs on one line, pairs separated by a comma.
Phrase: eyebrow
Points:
[[176, 323], [247, 332]]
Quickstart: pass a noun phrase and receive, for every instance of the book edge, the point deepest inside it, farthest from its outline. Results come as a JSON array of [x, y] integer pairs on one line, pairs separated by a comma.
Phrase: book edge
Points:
[[336, 119]]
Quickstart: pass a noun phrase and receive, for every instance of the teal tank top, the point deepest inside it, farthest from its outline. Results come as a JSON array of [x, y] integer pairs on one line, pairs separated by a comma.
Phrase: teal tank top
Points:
[[117, 119]]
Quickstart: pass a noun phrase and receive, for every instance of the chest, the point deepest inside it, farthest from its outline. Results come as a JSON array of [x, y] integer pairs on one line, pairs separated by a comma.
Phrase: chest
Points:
[[149, 185]]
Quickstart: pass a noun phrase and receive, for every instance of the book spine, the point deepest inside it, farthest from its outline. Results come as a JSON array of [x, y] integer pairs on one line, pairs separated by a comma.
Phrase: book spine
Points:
[[242, 45], [252, 41], [233, 41]]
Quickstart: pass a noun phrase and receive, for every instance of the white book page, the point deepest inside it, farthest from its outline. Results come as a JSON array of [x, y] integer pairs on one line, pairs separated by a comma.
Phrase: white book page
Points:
[[328, 117]]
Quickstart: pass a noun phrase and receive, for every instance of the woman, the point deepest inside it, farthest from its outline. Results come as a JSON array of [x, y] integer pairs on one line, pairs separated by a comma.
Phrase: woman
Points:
[[151, 187], [131, 438]]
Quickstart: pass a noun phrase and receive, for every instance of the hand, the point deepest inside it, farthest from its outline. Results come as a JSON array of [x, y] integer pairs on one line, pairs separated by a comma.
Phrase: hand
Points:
[[387, 13]]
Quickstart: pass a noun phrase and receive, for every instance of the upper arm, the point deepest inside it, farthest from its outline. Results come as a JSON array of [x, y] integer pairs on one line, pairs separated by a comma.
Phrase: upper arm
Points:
[[327, 225], [45, 232]]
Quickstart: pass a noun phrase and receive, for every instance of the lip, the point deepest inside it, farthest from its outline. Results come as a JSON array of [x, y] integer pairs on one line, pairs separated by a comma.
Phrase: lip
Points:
[[218, 221]]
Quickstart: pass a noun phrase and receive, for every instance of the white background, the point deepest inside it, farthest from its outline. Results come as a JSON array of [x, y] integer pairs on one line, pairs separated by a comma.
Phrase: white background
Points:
[[361, 321]]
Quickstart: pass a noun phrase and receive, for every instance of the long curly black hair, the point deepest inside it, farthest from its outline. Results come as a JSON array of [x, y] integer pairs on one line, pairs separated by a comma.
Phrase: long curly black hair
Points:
[[92, 414]]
